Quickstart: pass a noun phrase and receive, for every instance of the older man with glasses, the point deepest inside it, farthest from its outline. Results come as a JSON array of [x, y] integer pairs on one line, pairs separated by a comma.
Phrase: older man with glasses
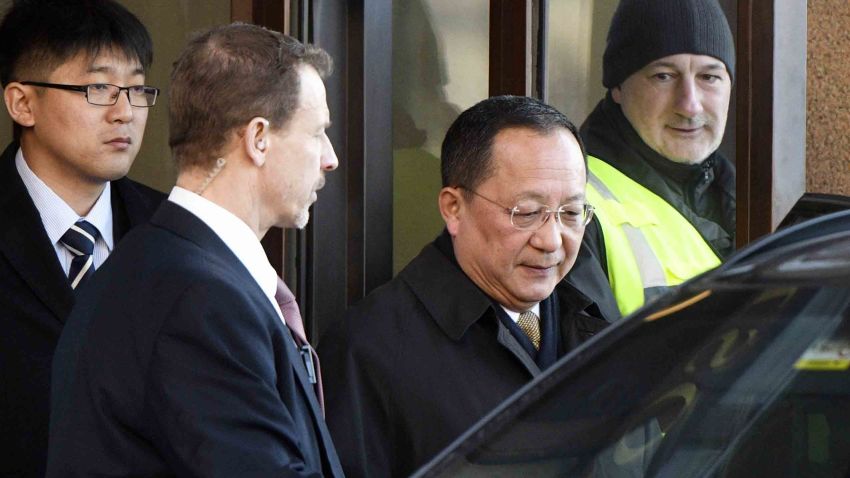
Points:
[[474, 316]]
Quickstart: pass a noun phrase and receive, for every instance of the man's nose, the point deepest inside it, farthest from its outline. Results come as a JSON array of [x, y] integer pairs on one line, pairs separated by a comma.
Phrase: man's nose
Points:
[[688, 98], [122, 111], [329, 159], [549, 237]]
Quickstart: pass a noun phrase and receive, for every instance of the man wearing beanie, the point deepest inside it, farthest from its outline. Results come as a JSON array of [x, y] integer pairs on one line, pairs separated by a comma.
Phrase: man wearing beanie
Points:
[[664, 195]]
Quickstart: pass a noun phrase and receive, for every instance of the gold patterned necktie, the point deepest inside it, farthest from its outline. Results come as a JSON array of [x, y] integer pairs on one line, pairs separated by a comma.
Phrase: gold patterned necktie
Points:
[[530, 324]]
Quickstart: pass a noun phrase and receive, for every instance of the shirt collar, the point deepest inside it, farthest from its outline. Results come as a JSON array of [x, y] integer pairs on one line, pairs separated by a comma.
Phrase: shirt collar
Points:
[[238, 237], [56, 215], [515, 315], [450, 297]]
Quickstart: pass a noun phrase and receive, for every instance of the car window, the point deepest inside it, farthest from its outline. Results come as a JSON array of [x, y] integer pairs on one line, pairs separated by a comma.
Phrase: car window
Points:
[[738, 380]]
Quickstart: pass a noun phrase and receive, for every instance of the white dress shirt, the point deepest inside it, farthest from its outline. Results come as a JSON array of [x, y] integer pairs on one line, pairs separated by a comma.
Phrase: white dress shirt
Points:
[[515, 315], [238, 237], [57, 216]]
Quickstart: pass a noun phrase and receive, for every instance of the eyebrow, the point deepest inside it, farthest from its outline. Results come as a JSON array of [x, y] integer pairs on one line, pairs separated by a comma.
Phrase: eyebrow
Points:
[[539, 197], [109, 69], [710, 66], [574, 197]]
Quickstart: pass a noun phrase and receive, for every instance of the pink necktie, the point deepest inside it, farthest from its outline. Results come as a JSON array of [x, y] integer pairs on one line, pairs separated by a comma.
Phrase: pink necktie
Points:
[[292, 316]]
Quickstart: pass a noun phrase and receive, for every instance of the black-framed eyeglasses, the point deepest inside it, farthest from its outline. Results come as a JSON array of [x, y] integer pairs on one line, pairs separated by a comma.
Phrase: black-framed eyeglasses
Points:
[[105, 94], [531, 216]]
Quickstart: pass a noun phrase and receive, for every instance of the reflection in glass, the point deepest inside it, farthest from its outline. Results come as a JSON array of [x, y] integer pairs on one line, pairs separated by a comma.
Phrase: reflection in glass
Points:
[[170, 24], [576, 42], [440, 62]]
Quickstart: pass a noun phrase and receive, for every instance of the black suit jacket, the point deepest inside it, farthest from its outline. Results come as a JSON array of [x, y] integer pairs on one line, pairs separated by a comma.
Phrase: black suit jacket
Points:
[[35, 299], [421, 359], [174, 363]]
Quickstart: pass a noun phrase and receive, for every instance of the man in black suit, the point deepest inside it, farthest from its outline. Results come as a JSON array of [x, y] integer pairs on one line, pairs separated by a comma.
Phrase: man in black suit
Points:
[[64, 172], [474, 316], [176, 360]]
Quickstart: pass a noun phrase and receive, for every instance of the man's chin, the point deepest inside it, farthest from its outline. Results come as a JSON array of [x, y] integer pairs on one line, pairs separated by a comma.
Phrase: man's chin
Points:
[[102, 177], [301, 220], [687, 159], [537, 294], [688, 154]]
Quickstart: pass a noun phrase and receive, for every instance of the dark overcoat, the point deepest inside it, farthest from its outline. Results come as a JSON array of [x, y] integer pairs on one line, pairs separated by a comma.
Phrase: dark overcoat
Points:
[[35, 300], [421, 359]]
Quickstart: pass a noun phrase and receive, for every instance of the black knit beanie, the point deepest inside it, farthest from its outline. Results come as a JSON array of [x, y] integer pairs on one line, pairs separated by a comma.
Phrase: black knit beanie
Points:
[[643, 31]]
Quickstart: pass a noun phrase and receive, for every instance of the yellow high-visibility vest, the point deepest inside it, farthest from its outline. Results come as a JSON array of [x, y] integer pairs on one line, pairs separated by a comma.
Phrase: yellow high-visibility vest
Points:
[[649, 245]]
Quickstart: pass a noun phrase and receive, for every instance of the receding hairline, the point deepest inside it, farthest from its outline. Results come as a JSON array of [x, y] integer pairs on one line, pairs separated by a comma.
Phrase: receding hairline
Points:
[[495, 143], [212, 61], [300, 68], [534, 130]]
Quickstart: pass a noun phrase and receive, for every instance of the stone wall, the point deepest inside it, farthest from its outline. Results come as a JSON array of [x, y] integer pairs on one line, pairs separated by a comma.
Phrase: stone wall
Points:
[[828, 102]]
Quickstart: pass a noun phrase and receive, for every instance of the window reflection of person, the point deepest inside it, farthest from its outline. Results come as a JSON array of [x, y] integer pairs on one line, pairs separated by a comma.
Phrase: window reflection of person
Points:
[[421, 115]]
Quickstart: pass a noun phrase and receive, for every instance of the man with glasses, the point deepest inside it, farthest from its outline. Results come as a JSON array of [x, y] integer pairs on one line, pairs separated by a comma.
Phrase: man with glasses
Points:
[[73, 73], [473, 317]]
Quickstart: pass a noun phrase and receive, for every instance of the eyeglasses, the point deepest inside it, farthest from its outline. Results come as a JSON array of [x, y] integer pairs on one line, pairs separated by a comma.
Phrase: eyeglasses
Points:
[[531, 216], [105, 94]]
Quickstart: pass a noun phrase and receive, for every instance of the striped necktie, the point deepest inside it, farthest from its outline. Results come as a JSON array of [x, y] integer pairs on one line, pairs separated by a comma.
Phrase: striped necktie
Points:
[[79, 240], [530, 324]]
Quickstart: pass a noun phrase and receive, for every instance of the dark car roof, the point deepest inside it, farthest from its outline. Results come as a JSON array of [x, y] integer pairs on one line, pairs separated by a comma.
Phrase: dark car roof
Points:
[[814, 228]]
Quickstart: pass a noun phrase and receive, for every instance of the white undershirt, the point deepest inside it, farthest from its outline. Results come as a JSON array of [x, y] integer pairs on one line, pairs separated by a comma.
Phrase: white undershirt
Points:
[[57, 216], [515, 315]]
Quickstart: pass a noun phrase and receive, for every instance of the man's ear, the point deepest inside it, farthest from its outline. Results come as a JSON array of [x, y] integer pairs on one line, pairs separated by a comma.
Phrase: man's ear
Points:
[[617, 94], [19, 100], [256, 140], [451, 205]]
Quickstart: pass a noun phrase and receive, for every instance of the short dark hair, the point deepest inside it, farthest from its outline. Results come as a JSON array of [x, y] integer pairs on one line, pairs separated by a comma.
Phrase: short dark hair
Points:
[[37, 36], [228, 75], [466, 158]]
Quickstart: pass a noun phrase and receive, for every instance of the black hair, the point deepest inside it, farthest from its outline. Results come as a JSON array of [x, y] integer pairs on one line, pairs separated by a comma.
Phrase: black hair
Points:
[[37, 36], [466, 148]]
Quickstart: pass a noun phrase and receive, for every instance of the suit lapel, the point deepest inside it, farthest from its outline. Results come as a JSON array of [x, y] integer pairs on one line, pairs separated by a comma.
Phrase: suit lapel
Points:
[[25, 244], [507, 340], [130, 207], [309, 392], [180, 221], [453, 300]]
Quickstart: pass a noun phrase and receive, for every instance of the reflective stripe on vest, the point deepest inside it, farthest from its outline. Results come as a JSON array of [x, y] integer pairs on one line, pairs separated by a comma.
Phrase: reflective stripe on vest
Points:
[[649, 245]]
